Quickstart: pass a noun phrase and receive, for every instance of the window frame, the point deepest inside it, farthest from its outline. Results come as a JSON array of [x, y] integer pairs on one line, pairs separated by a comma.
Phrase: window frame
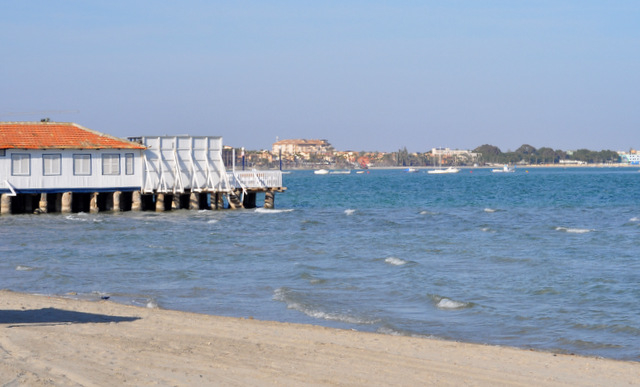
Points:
[[19, 157], [109, 166], [54, 157], [77, 157], [129, 169]]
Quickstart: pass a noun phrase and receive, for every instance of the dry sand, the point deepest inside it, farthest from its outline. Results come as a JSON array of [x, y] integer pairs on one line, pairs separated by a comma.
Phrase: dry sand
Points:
[[63, 342]]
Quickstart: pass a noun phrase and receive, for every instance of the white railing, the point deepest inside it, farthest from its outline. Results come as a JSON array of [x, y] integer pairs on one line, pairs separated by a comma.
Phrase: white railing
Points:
[[255, 179]]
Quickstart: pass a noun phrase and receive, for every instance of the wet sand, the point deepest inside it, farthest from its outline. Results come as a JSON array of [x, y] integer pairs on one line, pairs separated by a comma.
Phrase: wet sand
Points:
[[64, 342]]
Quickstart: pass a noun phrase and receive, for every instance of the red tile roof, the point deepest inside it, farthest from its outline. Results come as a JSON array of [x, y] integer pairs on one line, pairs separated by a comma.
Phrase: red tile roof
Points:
[[57, 135]]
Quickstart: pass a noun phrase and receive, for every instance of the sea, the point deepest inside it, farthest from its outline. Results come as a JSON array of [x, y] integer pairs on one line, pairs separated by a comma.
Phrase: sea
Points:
[[543, 258]]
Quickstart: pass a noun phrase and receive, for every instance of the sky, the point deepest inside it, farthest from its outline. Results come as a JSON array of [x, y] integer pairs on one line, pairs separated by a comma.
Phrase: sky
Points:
[[364, 75]]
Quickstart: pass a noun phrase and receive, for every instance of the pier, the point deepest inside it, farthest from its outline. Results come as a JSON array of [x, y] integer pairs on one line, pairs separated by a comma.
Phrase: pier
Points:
[[86, 171]]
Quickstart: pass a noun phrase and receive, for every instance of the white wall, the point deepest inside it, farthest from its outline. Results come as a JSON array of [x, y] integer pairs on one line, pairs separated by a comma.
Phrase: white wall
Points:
[[177, 163], [67, 181]]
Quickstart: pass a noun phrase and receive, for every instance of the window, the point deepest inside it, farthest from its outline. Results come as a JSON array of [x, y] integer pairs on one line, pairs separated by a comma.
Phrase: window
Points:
[[82, 165], [128, 163], [110, 164], [51, 165], [3, 152], [21, 164]]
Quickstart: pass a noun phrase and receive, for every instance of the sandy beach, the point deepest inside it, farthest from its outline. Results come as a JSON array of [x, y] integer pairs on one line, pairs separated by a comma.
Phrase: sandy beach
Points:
[[65, 342]]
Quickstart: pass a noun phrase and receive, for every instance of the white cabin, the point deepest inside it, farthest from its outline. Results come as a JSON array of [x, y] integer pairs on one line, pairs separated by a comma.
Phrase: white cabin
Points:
[[54, 157]]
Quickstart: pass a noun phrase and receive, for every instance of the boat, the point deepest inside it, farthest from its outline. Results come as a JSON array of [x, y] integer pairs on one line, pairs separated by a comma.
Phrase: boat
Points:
[[442, 171], [340, 172], [411, 170], [321, 171], [505, 169]]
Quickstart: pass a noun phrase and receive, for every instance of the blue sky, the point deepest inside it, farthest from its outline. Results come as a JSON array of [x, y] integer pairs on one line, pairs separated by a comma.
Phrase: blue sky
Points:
[[365, 75]]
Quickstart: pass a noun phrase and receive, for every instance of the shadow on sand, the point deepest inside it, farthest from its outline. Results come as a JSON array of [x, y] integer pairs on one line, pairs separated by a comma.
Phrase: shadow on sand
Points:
[[53, 316]]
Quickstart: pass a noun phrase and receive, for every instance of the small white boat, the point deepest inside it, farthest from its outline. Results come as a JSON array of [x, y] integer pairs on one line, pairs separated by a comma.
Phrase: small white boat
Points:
[[411, 170], [340, 172], [321, 171], [505, 169], [442, 171]]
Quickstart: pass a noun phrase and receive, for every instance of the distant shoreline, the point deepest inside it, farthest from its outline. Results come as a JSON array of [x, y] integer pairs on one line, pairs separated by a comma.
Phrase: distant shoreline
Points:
[[426, 167]]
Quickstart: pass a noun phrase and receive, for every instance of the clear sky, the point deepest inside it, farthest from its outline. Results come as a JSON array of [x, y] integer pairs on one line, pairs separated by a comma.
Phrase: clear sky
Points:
[[364, 75]]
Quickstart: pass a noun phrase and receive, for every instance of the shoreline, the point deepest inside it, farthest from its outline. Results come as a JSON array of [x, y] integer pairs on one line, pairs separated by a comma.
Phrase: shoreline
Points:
[[55, 340]]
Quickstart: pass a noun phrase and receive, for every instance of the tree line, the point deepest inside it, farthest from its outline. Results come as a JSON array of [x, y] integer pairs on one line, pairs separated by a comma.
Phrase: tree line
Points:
[[530, 155]]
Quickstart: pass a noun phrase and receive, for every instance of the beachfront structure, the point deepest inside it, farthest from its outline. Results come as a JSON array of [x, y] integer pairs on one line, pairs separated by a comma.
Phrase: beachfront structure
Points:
[[64, 167], [43, 163], [632, 158], [174, 166]]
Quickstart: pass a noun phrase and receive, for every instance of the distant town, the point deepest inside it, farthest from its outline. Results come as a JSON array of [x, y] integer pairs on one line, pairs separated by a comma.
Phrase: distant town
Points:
[[313, 154]]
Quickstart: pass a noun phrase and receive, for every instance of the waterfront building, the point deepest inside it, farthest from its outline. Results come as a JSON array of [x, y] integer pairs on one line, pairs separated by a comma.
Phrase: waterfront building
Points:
[[64, 167], [305, 148], [43, 163], [633, 158]]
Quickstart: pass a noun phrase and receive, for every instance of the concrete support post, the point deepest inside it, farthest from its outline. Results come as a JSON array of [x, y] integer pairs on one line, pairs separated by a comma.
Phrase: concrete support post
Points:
[[116, 201], [194, 201], [160, 202], [269, 199], [175, 204], [5, 204], [67, 199], [136, 201], [93, 203], [43, 203]]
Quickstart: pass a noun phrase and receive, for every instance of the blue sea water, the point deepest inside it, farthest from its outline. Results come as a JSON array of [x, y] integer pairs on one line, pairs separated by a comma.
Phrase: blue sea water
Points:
[[545, 258]]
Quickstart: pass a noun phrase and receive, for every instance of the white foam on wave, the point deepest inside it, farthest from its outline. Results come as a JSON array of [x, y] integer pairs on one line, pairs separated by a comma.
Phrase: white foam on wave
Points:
[[213, 221], [152, 305], [76, 218], [272, 210], [574, 230], [23, 268], [490, 210], [284, 295], [446, 303], [634, 219], [395, 261], [349, 211]]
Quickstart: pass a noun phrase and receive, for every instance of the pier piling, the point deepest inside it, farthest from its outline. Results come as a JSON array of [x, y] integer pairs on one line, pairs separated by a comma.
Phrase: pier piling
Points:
[[269, 199], [66, 202], [5, 204]]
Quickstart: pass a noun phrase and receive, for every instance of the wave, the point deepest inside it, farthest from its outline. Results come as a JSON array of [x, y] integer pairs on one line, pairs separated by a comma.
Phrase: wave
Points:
[[212, 221], [395, 261], [449, 304], [262, 210], [349, 212], [574, 230], [634, 219], [490, 210], [82, 217], [295, 302], [24, 268]]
